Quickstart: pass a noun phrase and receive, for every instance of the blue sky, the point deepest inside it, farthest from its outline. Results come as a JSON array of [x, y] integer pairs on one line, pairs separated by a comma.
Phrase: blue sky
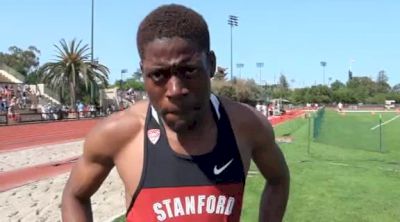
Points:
[[289, 37]]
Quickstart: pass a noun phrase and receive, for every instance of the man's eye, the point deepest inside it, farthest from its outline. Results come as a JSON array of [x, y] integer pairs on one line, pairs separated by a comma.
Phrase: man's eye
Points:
[[157, 76], [190, 72]]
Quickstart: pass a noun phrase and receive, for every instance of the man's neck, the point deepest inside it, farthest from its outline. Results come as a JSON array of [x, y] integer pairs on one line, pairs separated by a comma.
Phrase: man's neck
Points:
[[198, 139], [200, 128]]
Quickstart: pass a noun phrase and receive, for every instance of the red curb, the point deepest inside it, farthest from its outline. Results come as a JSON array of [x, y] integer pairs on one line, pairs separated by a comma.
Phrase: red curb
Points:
[[19, 177], [34, 146]]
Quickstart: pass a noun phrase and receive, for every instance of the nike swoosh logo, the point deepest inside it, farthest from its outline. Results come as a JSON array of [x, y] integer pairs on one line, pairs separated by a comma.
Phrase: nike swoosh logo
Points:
[[219, 170]]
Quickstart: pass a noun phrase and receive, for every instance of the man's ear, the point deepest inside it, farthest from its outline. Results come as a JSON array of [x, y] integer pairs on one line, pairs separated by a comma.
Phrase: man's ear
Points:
[[212, 61], [141, 66]]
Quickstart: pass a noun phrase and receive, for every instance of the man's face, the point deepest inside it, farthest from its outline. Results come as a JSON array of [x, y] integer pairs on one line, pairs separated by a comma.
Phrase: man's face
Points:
[[177, 79]]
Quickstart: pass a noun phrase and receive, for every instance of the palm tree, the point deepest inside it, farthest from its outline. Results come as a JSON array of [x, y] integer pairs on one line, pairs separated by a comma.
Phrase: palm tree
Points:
[[73, 67]]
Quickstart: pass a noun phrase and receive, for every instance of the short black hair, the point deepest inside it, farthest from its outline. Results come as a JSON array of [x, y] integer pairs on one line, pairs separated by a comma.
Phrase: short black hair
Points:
[[173, 21]]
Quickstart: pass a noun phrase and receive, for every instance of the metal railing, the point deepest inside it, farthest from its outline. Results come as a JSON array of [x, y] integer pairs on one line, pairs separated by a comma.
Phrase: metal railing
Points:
[[18, 118], [3, 119]]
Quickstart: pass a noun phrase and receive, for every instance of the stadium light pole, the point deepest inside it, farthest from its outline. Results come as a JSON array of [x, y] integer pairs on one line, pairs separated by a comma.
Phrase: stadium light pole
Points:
[[92, 27], [240, 66], [232, 21], [260, 65], [122, 72], [351, 64], [292, 81], [91, 53], [323, 64]]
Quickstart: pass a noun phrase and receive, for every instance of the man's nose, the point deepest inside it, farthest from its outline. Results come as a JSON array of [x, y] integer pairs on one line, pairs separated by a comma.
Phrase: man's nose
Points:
[[176, 87]]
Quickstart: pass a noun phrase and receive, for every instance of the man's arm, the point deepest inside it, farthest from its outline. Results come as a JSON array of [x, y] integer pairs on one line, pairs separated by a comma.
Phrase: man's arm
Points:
[[271, 163], [86, 177]]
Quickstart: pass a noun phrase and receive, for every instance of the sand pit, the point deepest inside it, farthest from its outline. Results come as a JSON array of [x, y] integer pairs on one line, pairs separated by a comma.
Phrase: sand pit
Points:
[[40, 201], [39, 155]]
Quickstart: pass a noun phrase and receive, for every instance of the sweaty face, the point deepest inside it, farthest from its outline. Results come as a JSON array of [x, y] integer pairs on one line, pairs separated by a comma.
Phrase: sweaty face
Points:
[[177, 80]]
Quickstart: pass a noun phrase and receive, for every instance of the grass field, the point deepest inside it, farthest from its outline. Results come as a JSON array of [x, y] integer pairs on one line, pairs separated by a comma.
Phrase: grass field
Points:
[[335, 183], [361, 130], [332, 182]]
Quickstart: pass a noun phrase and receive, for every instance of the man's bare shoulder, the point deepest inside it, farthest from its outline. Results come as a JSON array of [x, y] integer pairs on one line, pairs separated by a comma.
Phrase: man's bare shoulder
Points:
[[124, 122], [115, 131], [249, 122], [241, 113]]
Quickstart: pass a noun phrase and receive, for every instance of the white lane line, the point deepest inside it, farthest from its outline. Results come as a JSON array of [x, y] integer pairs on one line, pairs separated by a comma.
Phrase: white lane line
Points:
[[385, 122]]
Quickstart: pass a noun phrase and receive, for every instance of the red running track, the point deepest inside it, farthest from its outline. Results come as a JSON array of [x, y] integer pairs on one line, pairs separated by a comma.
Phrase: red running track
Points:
[[23, 136], [292, 114], [56, 132]]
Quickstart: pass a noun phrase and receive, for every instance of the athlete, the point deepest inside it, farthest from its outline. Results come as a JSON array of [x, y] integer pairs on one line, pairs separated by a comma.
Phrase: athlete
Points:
[[184, 154]]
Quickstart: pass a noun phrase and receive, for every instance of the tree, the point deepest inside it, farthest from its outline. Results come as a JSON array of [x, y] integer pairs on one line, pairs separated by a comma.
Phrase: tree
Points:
[[23, 61], [281, 90], [396, 88], [362, 88], [299, 96], [378, 98], [343, 95], [245, 91], [393, 96], [73, 67], [137, 75], [220, 74], [283, 83], [130, 83], [382, 85], [320, 94], [382, 77], [337, 85], [32, 78]]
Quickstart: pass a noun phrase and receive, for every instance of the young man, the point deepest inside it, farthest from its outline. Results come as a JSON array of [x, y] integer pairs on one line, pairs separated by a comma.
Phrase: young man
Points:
[[184, 154]]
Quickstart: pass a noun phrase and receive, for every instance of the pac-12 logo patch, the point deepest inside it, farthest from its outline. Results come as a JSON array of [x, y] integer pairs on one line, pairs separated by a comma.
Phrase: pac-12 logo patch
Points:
[[153, 135]]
